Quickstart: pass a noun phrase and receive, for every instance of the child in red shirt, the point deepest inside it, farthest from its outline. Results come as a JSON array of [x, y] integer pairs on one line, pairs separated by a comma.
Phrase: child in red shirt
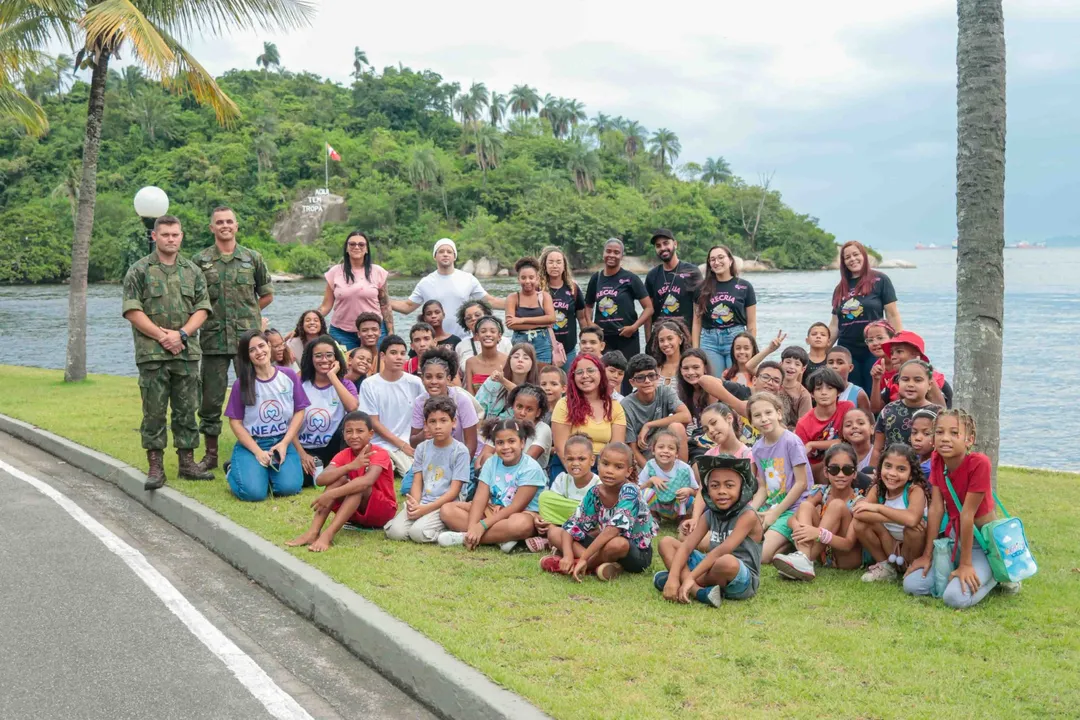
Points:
[[359, 487], [421, 339], [820, 428], [969, 474]]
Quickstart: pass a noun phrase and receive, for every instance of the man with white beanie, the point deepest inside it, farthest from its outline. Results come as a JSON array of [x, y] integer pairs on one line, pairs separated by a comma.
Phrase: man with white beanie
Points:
[[450, 286]]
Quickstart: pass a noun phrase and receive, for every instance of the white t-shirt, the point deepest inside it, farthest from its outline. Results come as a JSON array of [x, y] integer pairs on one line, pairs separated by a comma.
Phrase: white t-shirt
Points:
[[323, 416], [564, 485], [452, 291], [393, 403], [541, 438]]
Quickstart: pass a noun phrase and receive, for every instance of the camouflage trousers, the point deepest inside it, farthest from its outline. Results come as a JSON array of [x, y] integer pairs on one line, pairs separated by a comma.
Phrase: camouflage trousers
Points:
[[162, 383], [215, 383]]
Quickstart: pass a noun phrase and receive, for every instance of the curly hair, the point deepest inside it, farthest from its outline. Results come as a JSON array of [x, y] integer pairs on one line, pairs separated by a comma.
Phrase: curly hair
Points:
[[916, 476], [675, 325], [465, 307], [298, 332]]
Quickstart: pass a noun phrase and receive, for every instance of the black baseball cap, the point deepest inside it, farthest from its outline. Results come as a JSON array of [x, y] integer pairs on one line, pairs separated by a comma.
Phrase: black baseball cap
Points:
[[661, 233]]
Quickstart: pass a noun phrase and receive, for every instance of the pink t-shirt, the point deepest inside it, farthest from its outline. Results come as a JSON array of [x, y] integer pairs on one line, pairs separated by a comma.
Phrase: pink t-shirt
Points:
[[351, 299]]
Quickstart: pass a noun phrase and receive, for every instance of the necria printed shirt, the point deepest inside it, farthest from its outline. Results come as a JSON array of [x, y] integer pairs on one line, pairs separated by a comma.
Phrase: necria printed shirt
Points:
[[725, 306], [674, 292], [614, 296]]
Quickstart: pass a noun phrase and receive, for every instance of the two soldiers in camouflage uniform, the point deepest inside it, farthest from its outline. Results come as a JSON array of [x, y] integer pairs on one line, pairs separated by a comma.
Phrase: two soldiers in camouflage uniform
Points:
[[239, 286], [166, 302]]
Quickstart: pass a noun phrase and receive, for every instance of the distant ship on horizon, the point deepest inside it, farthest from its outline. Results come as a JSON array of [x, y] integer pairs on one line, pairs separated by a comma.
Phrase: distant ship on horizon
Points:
[[1022, 245]]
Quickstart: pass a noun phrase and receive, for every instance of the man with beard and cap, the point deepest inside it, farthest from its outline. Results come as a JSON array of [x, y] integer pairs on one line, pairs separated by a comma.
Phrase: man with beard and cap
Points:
[[673, 284], [448, 285], [732, 567]]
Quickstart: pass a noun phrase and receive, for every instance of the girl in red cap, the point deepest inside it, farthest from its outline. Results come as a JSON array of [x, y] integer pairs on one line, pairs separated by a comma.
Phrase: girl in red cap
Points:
[[902, 347]]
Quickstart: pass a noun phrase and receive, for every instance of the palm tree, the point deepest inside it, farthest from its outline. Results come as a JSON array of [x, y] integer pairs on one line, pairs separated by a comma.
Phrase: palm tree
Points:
[[269, 58], [575, 112], [980, 213], [665, 144], [715, 172], [524, 100], [422, 171], [489, 148], [149, 29], [478, 93], [62, 66], [68, 188], [132, 79], [358, 63], [265, 152], [584, 167], [635, 138], [601, 124], [151, 111], [497, 108]]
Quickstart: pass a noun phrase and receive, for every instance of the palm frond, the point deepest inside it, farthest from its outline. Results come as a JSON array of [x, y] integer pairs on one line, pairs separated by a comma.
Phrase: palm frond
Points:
[[187, 74], [111, 22], [23, 110], [184, 18]]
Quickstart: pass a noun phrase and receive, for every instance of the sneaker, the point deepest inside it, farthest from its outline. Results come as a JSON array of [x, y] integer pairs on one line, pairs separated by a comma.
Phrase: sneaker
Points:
[[1009, 588], [508, 546], [794, 565], [659, 580], [550, 563], [608, 571], [450, 538], [710, 596], [537, 544], [880, 572]]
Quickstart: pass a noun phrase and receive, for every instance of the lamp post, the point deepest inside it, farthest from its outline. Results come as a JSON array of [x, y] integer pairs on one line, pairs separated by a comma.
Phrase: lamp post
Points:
[[151, 203]]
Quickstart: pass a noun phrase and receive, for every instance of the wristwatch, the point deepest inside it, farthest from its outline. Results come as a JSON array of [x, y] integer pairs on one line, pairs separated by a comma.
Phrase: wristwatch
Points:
[[183, 337]]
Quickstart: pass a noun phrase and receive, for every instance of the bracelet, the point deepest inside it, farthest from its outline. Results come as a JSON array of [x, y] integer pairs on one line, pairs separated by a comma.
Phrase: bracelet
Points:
[[483, 524], [825, 536]]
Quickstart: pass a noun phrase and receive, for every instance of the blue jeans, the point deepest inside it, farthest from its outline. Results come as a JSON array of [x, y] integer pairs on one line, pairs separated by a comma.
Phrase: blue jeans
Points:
[[717, 346], [250, 481], [348, 340], [539, 339]]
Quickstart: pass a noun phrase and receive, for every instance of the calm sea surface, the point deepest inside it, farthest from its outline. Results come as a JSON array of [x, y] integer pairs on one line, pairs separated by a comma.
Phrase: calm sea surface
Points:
[[1040, 398]]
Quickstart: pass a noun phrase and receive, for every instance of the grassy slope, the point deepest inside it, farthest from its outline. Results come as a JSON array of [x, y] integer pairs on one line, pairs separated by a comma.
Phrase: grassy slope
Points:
[[834, 648]]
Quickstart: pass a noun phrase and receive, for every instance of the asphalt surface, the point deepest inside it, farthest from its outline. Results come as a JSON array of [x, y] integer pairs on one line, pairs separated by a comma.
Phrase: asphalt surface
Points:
[[83, 636]]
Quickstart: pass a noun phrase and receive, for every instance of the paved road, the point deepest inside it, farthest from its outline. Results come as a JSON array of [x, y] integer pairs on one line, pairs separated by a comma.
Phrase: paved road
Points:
[[86, 634]]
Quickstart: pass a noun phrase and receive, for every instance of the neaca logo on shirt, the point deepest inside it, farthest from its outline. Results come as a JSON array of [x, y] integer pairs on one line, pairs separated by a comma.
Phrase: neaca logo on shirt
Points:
[[318, 420], [270, 411], [272, 417]]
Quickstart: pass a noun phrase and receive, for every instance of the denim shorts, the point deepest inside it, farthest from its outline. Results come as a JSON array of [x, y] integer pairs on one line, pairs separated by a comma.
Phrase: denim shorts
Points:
[[717, 346], [539, 339], [740, 588]]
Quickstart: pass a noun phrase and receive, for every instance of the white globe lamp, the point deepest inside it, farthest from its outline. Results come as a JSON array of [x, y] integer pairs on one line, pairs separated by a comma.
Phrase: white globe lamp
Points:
[[151, 203]]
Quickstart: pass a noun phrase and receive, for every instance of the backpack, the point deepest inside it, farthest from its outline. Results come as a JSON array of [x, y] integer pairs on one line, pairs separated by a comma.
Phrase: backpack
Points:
[[1004, 543]]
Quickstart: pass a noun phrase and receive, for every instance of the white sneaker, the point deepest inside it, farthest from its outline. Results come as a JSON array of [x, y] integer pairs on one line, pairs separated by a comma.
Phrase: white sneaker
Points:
[[880, 572], [508, 546], [1009, 588], [450, 538], [795, 566]]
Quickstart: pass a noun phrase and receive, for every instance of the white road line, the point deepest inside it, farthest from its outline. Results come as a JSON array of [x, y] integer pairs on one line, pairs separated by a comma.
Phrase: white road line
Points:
[[277, 702]]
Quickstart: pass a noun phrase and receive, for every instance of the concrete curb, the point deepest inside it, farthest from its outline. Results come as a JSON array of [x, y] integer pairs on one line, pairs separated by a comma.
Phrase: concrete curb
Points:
[[416, 664]]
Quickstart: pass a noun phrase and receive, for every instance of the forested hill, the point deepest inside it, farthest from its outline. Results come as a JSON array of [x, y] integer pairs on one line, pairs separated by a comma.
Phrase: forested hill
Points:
[[502, 173]]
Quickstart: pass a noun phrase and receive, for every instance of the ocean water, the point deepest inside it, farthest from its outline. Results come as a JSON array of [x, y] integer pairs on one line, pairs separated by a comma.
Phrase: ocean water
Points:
[[1040, 399]]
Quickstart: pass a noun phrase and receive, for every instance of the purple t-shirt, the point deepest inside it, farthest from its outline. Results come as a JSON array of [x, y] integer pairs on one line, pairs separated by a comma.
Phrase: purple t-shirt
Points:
[[466, 413], [776, 465], [276, 401]]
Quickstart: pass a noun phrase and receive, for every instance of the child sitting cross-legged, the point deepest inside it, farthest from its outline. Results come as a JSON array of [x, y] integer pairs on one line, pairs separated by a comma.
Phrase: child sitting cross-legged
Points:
[[504, 508], [567, 490], [891, 520], [359, 487], [721, 424], [667, 483], [822, 529], [443, 464], [731, 568], [612, 529]]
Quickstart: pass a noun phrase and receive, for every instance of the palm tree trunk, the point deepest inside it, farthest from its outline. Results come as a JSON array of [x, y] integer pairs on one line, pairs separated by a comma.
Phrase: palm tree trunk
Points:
[[980, 215], [84, 225]]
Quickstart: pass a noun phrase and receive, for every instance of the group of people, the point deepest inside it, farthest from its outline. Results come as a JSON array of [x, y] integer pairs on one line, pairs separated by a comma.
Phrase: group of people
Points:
[[567, 437]]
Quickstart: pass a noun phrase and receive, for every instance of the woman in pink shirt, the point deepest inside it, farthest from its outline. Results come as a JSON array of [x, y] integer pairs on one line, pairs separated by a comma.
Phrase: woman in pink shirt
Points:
[[355, 286]]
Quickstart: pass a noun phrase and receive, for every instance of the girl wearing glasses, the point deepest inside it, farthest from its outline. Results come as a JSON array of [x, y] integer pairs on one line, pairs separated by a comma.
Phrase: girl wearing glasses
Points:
[[332, 396], [822, 528], [354, 286], [587, 409]]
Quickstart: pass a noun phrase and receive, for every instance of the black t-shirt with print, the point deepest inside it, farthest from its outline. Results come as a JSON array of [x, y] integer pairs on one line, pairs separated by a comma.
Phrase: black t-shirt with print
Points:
[[857, 311], [613, 297], [725, 307], [674, 292], [567, 305], [812, 368]]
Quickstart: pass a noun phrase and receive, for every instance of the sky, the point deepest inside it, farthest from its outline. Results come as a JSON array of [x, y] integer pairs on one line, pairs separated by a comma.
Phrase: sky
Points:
[[849, 105]]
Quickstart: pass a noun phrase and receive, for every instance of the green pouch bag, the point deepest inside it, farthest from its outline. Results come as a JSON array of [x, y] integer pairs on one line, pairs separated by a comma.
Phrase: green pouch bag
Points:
[[1004, 543]]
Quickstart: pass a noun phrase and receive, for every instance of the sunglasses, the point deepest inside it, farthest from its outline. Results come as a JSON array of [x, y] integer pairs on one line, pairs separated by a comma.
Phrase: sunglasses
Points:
[[841, 469]]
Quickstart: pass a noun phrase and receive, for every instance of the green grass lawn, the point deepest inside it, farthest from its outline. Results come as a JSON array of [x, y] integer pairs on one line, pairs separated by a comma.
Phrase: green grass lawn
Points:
[[834, 648]]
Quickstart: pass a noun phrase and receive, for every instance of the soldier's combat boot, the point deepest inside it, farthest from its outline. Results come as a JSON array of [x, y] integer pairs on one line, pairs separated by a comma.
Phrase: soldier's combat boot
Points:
[[209, 461], [189, 469], [155, 476]]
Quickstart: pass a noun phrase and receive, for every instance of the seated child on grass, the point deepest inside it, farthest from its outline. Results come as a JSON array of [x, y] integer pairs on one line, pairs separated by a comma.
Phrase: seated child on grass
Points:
[[527, 403], [553, 383], [612, 529], [969, 474], [839, 361], [890, 521], [443, 464], [732, 567], [567, 490], [667, 483], [722, 426], [820, 428], [615, 368], [822, 529], [651, 407], [359, 487], [893, 426], [780, 458], [503, 510], [922, 437]]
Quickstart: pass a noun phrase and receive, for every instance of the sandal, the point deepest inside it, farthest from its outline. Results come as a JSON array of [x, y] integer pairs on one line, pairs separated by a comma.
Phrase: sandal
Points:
[[537, 544]]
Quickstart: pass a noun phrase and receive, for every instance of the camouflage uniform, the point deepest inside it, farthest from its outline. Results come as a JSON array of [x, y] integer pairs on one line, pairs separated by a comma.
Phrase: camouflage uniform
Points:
[[235, 283], [169, 295]]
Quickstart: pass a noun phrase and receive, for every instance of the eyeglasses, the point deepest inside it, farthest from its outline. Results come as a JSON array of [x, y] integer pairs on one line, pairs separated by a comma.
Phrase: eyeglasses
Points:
[[770, 379], [324, 356], [356, 245], [582, 372], [648, 378], [841, 469]]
